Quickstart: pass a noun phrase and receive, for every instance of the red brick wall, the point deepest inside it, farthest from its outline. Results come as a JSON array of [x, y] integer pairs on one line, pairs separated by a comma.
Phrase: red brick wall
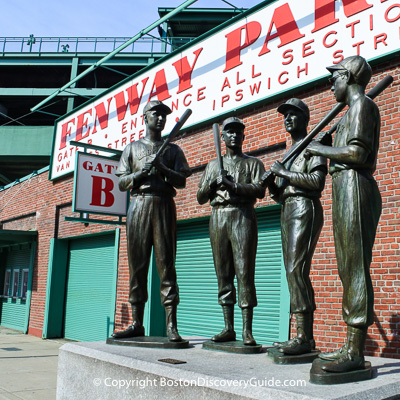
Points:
[[42, 205]]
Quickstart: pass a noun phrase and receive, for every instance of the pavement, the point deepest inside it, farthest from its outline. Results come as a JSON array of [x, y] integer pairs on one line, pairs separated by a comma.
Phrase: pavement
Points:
[[28, 366]]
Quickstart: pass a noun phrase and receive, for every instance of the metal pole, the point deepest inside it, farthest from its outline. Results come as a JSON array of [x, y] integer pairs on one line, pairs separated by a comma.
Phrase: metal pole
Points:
[[116, 51]]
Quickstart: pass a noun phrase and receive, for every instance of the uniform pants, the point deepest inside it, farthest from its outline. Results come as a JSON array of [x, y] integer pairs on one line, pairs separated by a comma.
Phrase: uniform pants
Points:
[[151, 222], [356, 209], [233, 235], [302, 220]]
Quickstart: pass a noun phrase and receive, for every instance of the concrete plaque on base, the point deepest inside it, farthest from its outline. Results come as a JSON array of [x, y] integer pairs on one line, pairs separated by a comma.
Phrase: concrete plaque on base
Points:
[[281, 358], [235, 346], [321, 377], [149, 341]]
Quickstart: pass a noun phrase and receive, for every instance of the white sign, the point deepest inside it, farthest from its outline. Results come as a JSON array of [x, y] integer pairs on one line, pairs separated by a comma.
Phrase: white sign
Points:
[[96, 186], [272, 48]]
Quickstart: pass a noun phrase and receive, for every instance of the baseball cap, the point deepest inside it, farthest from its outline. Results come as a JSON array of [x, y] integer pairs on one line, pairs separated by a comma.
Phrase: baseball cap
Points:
[[296, 104], [157, 105], [357, 66], [232, 121]]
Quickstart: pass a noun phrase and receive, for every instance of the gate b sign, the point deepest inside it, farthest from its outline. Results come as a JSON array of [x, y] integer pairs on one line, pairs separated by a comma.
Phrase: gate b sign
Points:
[[96, 186]]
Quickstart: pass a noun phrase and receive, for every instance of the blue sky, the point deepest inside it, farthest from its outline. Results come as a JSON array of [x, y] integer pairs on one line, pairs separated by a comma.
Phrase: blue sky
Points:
[[90, 18]]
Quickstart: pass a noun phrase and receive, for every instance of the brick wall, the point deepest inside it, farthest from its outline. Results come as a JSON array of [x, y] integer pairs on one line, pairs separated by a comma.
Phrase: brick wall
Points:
[[42, 205]]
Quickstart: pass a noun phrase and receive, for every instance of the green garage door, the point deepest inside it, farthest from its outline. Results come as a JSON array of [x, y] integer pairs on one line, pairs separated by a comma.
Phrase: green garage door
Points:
[[90, 290], [199, 312], [15, 274]]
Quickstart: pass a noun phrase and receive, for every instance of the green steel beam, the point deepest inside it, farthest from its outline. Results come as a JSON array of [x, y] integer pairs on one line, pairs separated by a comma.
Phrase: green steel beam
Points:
[[26, 140], [46, 92], [139, 59], [116, 51]]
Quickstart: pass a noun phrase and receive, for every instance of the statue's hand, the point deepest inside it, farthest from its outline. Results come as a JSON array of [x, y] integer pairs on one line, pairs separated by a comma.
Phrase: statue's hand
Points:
[[278, 169], [313, 149], [267, 178]]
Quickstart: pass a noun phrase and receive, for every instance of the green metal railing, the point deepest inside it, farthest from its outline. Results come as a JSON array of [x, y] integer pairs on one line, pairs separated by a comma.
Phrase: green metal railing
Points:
[[75, 45]]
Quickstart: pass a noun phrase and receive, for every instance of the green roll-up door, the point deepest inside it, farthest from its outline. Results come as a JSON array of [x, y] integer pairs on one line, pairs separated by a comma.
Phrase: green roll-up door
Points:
[[199, 312], [90, 290], [14, 309]]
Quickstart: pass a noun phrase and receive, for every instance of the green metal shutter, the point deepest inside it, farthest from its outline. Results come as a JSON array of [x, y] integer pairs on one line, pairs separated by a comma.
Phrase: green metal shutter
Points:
[[199, 312], [14, 311], [90, 292]]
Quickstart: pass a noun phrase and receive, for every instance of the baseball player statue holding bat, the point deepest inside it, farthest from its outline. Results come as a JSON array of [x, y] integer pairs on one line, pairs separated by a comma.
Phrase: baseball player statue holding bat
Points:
[[356, 205], [231, 184], [151, 169], [298, 188]]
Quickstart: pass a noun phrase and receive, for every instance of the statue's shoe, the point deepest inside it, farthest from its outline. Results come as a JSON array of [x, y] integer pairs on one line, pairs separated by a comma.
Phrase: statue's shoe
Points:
[[225, 336], [285, 343], [333, 355], [248, 339], [131, 331], [296, 346], [173, 335], [345, 363]]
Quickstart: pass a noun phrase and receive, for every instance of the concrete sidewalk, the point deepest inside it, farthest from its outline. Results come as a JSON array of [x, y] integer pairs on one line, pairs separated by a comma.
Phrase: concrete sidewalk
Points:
[[28, 366]]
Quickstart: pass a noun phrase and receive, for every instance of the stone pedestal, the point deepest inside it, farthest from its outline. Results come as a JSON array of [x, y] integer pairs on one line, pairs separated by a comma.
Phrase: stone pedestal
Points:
[[321, 377], [158, 342], [281, 358], [235, 346], [96, 370]]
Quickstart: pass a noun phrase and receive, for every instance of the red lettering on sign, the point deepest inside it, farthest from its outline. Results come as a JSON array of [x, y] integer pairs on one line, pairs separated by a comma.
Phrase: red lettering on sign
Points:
[[82, 123], [380, 39], [200, 94], [234, 40], [299, 70], [133, 100], [306, 47], [253, 73], [287, 54], [101, 192], [255, 88], [102, 115], [327, 45], [184, 71], [225, 99], [286, 28], [87, 165], [239, 95], [357, 45], [65, 131], [352, 25], [280, 78], [338, 56], [238, 81], [160, 87], [325, 11], [226, 84], [187, 102], [387, 13]]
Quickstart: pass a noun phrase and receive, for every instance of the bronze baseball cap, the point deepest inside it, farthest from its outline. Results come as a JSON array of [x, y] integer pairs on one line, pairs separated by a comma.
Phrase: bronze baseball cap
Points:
[[157, 105], [232, 121], [357, 66], [296, 104]]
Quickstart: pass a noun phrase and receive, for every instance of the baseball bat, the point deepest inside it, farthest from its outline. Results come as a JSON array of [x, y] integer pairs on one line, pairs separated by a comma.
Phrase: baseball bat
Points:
[[217, 143], [299, 147], [173, 133]]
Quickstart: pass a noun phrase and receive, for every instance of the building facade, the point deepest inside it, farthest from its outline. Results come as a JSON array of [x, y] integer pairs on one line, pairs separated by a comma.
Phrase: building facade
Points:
[[72, 277]]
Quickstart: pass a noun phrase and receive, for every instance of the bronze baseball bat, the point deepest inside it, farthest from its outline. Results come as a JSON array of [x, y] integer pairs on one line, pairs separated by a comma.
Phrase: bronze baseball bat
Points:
[[299, 147], [173, 133], [217, 143]]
